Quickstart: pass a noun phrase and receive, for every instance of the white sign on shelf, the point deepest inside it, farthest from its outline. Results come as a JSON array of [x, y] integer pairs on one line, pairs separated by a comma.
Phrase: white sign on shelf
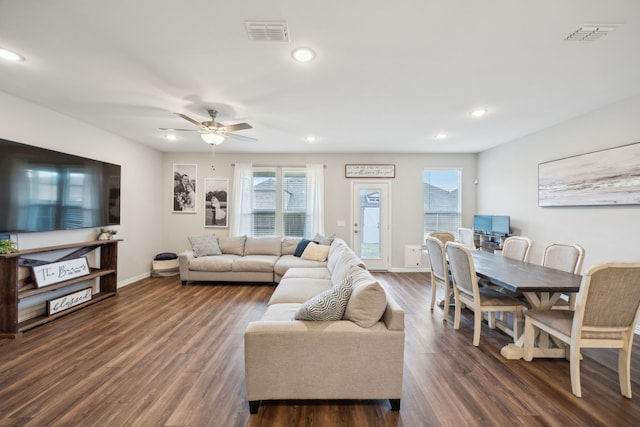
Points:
[[66, 302], [50, 274]]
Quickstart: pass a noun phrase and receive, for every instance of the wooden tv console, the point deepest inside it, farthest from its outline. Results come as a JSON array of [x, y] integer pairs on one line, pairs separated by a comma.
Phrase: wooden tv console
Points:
[[11, 291]]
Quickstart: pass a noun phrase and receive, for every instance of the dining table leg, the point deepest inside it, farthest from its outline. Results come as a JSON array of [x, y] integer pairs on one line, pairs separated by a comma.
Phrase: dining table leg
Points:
[[544, 347]]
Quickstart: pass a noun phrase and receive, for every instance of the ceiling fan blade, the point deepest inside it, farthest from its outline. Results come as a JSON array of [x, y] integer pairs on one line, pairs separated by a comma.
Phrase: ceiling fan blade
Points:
[[181, 130], [240, 137], [189, 119], [237, 126]]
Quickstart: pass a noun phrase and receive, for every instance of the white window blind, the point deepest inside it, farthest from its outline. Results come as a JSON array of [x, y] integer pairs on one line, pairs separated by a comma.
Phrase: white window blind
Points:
[[442, 207]]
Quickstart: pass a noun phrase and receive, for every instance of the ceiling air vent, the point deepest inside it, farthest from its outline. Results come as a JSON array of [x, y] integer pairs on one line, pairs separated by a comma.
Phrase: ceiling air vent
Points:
[[267, 31], [590, 32]]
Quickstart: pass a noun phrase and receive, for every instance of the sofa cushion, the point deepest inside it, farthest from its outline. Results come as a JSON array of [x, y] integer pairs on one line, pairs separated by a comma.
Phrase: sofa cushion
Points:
[[302, 245], [368, 299], [205, 245], [280, 312], [212, 263], [289, 245], [263, 246], [307, 273], [327, 306], [286, 262], [254, 263], [346, 259], [232, 245], [315, 252], [298, 290]]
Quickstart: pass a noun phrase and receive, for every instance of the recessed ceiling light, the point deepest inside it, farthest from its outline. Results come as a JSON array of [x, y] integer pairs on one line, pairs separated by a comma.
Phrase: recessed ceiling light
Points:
[[479, 112], [303, 54], [171, 136], [441, 135], [311, 138], [10, 56]]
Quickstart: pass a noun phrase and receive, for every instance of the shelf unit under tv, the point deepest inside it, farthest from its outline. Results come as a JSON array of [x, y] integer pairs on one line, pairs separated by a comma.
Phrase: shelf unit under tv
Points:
[[12, 291]]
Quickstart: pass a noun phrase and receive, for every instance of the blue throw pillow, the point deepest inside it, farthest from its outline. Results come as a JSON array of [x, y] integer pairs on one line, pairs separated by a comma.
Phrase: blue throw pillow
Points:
[[301, 247]]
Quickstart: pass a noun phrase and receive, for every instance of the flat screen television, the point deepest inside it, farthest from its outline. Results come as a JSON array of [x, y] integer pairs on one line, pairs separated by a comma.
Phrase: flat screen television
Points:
[[492, 224], [46, 190]]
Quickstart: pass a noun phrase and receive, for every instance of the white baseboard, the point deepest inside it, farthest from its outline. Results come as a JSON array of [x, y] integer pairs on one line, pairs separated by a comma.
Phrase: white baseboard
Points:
[[410, 270], [133, 279]]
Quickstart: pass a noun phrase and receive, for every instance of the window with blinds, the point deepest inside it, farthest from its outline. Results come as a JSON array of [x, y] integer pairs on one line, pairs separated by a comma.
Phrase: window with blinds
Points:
[[279, 202], [442, 207]]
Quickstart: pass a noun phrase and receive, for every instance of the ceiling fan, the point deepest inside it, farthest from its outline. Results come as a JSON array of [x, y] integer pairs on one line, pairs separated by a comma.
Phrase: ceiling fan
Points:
[[213, 132]]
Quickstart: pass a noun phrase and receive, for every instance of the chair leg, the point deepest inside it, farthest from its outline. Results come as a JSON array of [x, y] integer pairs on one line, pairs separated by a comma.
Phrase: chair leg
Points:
[[574, 367], [433, 293], [517, 319], [447, 301], [624, 369], [456, 320], [477, 326]]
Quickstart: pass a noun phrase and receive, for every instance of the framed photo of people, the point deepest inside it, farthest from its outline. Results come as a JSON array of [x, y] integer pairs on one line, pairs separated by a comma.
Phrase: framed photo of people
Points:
[[184, 188], [216, 202]]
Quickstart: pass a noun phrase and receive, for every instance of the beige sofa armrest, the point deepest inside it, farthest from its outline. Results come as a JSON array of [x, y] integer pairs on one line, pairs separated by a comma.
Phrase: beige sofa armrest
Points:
[[393, 315], [183, 261]]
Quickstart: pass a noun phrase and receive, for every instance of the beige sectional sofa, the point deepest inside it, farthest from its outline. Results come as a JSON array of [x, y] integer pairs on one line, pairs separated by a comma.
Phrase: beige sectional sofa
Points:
[[359, 356], [241, 259]]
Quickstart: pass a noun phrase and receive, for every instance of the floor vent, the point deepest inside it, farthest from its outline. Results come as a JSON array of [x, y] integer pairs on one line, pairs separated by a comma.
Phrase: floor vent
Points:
[[267, 31], [590, 32]]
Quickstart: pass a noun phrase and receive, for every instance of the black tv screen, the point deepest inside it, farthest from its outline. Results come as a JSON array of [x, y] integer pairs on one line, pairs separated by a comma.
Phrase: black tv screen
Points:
[[46, 190]]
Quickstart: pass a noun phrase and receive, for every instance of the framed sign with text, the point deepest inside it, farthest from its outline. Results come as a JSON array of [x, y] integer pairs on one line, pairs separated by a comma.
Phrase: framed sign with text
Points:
[[369, 171], [55, 272]]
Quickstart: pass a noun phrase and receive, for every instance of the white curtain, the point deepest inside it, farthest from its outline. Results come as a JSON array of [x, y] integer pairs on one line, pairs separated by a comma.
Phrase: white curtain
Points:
[[315, 200], [241, 200]]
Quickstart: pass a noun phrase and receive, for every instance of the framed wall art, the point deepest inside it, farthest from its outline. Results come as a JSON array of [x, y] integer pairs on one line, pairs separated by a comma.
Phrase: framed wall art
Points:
[[606, 177], [184, 188], [216, 202], [369, 171]]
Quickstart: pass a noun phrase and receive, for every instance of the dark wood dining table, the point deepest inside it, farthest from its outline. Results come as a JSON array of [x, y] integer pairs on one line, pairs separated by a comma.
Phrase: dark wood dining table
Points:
[[541, 286]]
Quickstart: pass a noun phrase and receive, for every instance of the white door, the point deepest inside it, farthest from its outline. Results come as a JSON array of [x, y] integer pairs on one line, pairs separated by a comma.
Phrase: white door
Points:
[[370, 223]]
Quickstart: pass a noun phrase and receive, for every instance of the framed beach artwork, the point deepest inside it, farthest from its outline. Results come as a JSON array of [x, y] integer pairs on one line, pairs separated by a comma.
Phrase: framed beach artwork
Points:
[[606, 177], [216, 201], [184, 188]]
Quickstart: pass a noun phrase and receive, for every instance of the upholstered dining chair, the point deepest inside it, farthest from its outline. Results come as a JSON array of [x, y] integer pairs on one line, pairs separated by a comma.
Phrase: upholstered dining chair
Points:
[[465, 236], [443, 236], [516, 247], [567, 258], [468, 293], [605, 316], [439, 273]]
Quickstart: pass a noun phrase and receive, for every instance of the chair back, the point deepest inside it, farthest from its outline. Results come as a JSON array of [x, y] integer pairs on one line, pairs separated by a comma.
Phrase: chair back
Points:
[[443, 236], [437, 259], [463, 270], [465, 236], [564, 257], [516, 247], [608, 302]]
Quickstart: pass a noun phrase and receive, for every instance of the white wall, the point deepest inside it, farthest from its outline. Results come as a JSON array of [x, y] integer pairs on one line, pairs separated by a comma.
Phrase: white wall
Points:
[[508, 179], [406, 188], [141, 225]]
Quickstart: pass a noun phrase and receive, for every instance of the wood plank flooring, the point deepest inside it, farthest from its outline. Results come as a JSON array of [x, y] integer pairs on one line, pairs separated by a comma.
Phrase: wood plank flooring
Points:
[[162, 354]]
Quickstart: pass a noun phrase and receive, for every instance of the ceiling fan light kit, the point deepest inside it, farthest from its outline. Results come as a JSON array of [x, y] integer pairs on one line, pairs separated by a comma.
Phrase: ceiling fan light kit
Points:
[[212, 138]]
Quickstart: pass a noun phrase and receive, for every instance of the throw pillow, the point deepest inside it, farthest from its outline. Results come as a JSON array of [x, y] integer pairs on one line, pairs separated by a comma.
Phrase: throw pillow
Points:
[[368, 299], [328, 305], [324, 240], [233, 245], [301, 247], [315, 252], [205, 245]]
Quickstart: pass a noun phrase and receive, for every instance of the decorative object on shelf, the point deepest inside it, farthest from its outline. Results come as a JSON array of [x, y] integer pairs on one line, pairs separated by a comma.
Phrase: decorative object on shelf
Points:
[[106, 234], [369, 171], [7, 247], [65, 302], [606, 177], [184, 188], [52, 273], [216, 202]]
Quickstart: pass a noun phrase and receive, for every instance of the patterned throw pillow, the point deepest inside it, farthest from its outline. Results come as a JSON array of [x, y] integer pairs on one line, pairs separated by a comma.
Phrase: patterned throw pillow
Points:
[[329, 305], [205, 245]]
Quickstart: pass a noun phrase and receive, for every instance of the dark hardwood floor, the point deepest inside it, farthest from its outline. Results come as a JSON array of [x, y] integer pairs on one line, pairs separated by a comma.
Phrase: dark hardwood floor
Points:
[[162, 354]]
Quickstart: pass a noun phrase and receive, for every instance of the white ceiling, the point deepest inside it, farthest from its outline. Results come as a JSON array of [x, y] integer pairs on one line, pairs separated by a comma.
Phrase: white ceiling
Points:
[[388, 76]]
